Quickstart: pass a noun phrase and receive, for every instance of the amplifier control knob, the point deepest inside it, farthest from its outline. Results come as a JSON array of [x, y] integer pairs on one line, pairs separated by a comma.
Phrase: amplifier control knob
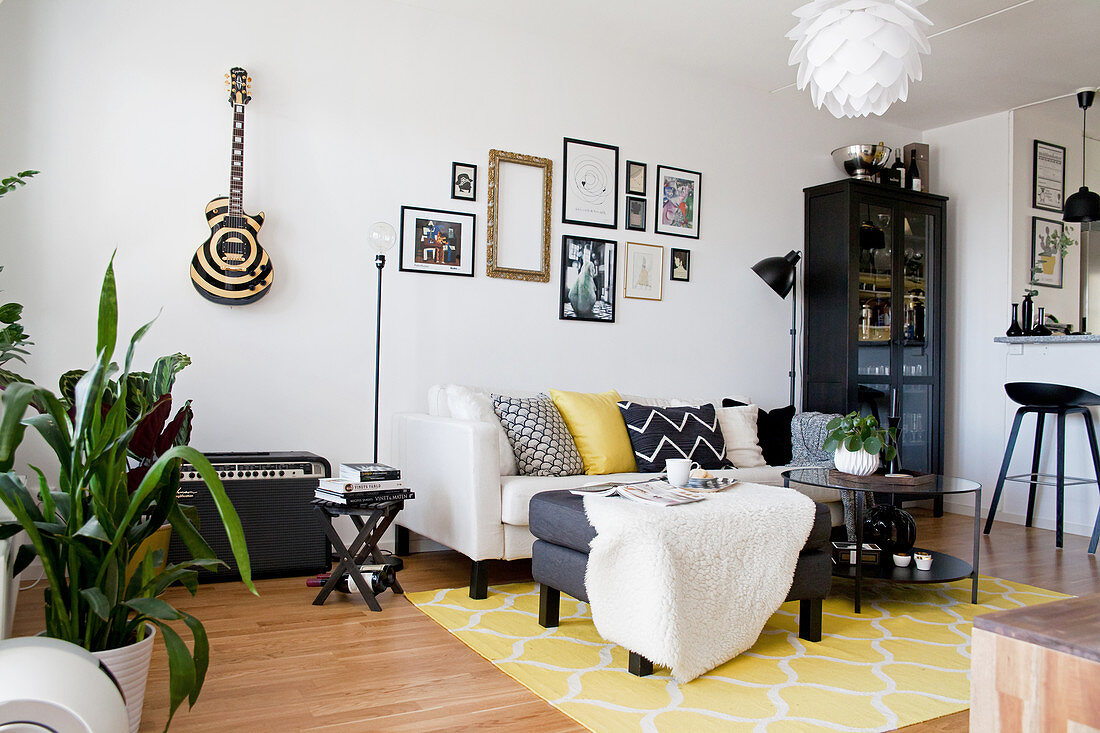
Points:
[[281, 472]]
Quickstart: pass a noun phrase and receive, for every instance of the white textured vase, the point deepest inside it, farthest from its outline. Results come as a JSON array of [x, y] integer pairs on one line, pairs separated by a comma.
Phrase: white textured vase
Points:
[[857, 463], [130, 666]]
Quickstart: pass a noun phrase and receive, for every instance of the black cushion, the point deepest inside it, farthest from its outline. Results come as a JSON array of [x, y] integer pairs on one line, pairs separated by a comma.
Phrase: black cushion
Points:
[[774, 430], [659, 433]]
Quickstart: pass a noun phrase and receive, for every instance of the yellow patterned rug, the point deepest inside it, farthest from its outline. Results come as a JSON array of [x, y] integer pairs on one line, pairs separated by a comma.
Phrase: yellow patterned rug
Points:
[[905, 659]]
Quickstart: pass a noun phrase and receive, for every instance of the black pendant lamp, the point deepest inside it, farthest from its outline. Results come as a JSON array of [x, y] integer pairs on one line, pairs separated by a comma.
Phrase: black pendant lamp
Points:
[[1085, 204]]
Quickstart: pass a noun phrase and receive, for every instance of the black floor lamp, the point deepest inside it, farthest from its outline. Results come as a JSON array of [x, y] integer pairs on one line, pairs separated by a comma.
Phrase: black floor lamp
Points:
[[381, 238], [779, 274]]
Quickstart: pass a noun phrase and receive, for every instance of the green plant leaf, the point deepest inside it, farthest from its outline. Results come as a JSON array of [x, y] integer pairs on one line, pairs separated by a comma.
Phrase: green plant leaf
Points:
[[201, 655], [98, 602], [834, 423], [94, 530], [830, 445], [853, 443], [24, 556], [185, 529], [889, 452], [153, 608], [181, 669], [9, 529], [108, 312], [872, 444], [10, 312]]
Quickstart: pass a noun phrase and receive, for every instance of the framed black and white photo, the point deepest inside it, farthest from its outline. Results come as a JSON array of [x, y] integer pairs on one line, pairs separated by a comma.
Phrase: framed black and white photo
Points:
[[439, 242], [680, 267], [635, 178], [1046, 252], [587, 279], [590, 184], [635, 213], [464, 181], [678, 199], [1049, 183], [644, 272]]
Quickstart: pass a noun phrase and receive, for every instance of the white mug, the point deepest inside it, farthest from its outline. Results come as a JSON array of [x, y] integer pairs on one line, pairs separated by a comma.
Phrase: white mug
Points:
[[679, 470]]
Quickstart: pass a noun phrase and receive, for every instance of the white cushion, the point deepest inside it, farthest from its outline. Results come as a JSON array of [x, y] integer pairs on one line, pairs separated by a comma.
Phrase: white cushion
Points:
[[738, 426], [468, 403], [516, 491]]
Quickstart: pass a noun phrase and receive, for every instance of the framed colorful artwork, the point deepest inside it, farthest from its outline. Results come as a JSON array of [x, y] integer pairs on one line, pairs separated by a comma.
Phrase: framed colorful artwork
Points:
[[464, 181], [635, 178], [678, 202], [644, 271], [635, 213], [439, 242], [587, 280], [1046, 252], [680, 268], [590, 185]]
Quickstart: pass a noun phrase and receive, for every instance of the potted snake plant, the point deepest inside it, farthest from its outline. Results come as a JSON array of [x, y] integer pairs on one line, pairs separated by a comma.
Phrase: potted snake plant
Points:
[[856, 443], [104, 504]]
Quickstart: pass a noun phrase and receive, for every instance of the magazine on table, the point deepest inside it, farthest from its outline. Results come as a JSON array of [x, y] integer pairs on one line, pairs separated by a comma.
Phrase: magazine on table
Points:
[[655, 491]]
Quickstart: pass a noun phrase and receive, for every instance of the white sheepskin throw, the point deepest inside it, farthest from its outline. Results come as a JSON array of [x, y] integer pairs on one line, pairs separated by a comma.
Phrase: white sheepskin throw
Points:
[[689, 587]]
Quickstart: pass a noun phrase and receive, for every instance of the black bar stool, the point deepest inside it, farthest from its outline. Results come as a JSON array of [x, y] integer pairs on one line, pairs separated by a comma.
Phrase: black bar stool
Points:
[[1048, 399]]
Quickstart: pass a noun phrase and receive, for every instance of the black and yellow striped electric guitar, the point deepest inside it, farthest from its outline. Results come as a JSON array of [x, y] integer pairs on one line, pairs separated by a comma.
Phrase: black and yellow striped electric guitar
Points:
[[231, 267]]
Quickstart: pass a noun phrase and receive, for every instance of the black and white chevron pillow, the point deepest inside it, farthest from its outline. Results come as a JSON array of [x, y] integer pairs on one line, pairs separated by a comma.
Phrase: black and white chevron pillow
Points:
[[540, 439], [659, 433]]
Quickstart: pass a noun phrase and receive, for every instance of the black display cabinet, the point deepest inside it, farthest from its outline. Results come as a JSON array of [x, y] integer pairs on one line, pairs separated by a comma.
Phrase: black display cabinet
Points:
[[874, 311]]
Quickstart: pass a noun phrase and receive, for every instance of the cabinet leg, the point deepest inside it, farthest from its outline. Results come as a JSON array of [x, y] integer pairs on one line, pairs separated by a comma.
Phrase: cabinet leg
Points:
[[479, 580], [400, 540], [937, 506], [809, 619]]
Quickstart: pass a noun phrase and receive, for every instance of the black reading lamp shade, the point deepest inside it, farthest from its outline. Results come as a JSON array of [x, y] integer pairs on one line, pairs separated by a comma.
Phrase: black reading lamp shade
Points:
[[778, 272], [1084, 205]]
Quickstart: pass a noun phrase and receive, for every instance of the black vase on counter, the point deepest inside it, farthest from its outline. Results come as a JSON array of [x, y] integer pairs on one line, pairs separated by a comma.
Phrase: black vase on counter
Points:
[[1027, 314], [1040, 328], [1014, 329]]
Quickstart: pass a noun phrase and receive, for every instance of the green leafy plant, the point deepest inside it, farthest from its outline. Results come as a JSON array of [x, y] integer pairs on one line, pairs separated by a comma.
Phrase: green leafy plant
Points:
[[87, 530], [855, 432], [10, 183], [13, 341]]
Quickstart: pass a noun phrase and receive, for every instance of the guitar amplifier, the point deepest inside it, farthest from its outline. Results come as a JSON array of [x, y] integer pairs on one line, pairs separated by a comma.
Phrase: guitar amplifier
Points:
[[271, 493]]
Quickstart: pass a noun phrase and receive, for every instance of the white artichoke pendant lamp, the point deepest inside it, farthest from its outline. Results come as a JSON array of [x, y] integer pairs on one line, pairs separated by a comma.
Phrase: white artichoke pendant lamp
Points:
[[858, 56]]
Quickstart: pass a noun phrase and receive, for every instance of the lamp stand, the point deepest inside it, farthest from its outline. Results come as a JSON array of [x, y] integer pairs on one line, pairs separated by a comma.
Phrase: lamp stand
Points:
[[380, 262], [794, 323]]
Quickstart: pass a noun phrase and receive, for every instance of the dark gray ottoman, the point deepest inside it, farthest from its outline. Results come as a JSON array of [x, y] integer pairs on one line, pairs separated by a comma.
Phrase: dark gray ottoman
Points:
[[560, 556]]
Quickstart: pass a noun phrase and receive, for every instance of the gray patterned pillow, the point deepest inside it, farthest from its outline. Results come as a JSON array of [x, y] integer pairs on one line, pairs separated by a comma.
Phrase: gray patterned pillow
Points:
[[541, 441]]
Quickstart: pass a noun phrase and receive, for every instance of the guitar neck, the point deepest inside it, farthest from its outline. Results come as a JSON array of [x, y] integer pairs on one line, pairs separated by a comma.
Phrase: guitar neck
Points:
[[236, 163]]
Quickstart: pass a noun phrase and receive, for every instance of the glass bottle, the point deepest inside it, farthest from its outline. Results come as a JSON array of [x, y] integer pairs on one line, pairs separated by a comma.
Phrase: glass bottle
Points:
[[897, 170], [1041, 324], [1027, 313], [912, 173], [1014, 329]]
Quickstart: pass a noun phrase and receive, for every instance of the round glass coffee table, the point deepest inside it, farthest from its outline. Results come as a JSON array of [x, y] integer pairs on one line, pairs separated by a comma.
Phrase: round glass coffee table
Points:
[[945, 568]]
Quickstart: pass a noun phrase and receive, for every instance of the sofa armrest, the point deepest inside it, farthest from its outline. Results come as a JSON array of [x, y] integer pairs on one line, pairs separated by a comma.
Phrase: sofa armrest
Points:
[[453, 466]]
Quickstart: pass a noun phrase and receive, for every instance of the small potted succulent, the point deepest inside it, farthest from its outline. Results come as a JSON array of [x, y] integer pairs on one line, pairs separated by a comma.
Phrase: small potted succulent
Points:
[[856, 443]]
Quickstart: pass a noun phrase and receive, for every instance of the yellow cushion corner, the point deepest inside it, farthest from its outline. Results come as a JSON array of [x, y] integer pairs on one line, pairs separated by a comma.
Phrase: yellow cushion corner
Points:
[[598, 430]]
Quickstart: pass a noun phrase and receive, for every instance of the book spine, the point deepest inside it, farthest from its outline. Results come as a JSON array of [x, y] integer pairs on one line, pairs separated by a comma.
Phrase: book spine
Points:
[[370, 475], [351, 487], [364, 498]]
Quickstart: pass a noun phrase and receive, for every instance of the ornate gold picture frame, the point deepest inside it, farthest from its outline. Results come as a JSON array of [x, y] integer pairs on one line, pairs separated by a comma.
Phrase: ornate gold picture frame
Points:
[[496, 159]]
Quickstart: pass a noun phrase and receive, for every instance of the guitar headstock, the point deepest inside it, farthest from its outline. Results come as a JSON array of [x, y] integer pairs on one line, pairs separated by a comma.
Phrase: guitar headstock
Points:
[[239, 84]]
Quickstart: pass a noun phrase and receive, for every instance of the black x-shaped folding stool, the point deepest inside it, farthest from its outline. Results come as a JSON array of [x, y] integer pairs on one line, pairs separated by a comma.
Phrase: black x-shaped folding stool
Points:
[[371, 522]]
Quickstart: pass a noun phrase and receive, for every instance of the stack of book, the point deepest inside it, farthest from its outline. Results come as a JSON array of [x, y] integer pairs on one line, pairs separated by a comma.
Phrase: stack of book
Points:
[[363, 484]]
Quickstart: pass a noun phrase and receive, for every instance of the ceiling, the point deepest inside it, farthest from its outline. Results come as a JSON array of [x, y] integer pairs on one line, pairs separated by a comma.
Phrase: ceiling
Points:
[[1033, 50]]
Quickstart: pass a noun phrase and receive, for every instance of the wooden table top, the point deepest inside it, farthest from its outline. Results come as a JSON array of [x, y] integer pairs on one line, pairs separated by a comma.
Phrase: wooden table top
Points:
[[1071, 626]]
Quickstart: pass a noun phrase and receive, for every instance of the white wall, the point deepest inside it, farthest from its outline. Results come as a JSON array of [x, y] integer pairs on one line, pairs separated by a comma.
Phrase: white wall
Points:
[[359, 108], [971, 162], [1057, 122]]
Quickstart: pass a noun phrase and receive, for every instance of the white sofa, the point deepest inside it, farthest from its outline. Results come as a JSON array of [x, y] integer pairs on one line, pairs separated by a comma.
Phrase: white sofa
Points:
[[462, 500]]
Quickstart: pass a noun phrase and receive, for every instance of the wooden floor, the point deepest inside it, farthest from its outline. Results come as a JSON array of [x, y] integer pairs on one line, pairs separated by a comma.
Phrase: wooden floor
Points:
[[282, 664]]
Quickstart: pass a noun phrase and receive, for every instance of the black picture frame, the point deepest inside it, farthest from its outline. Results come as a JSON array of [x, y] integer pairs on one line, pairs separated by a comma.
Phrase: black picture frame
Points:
[[590, 169], [408, 255], [635, 213], [1042, 248], [603, 253], [458, 188], [1048, 194], [631, 167], [694, 212], [685, 256]]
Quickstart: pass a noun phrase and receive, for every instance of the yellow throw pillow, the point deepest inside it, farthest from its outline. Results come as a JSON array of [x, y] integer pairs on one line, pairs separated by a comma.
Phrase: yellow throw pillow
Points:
[[598, 430]]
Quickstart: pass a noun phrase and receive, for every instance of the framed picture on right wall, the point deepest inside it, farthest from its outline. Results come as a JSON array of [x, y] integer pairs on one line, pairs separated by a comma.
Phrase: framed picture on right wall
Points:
[[678, 199], [680, 268], [1046, 252]]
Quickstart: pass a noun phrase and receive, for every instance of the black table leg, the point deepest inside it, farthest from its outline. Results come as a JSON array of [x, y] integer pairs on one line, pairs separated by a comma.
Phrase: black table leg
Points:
[[346, 564], [977, 542], [859, 546]]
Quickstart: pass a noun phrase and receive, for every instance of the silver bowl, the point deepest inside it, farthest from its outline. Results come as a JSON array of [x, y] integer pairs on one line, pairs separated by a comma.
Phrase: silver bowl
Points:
[[862, 161]]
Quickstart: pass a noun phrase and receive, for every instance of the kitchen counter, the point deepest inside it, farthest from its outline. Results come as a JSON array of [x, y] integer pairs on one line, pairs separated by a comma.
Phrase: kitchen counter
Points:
[[1083, 338]]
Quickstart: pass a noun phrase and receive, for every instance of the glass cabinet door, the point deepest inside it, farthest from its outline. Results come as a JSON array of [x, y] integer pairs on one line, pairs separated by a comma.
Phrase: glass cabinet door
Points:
[[916, 314], [876, 291]]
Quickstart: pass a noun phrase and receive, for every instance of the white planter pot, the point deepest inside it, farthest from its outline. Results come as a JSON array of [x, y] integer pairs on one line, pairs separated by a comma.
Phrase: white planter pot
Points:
[[130, 666], [857, 463]]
